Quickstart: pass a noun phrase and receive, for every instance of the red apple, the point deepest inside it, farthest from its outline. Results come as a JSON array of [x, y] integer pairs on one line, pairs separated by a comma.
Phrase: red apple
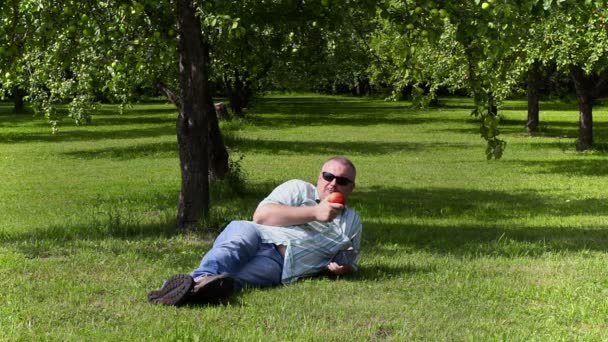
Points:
[[336, 197]]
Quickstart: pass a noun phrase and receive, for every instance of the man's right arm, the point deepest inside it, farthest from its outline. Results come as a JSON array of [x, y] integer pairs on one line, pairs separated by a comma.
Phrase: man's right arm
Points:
[[280, 215]]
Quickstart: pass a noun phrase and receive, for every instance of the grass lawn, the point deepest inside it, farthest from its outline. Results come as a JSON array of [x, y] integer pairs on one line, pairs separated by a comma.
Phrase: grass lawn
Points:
[[454, 247]]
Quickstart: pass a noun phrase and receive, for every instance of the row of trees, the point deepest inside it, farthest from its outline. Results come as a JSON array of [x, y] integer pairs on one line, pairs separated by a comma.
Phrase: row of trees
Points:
[[489, 47], [54, 52]]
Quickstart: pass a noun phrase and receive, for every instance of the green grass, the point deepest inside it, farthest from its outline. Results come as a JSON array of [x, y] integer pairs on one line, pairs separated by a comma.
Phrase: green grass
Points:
[[454, 248]]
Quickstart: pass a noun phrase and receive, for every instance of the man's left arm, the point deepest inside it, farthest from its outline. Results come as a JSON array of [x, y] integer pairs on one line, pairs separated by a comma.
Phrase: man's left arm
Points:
[[285, 215]]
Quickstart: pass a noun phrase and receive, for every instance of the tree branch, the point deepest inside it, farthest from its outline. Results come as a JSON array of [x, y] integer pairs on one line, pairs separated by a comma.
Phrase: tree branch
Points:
[[169, 94], [361, 37]]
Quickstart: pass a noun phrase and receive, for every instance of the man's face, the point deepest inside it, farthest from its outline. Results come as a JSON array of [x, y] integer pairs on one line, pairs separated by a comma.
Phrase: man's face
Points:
[[341, 174]]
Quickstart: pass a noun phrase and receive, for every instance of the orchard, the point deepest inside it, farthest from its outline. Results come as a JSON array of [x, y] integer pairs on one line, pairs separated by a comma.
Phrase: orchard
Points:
[[54, 53]]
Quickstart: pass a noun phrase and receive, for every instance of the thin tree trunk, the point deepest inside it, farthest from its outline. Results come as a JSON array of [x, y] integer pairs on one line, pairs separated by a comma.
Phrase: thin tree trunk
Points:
[[218, 155], [584, 94], [357, 89], [236, 96], [244, 94], [193, 119], [169, 94], [228, 87], [18, 95], [534, 78], [366, 88]]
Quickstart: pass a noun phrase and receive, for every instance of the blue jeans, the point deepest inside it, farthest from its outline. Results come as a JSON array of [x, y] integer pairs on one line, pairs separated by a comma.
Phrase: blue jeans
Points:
[[239, 251]]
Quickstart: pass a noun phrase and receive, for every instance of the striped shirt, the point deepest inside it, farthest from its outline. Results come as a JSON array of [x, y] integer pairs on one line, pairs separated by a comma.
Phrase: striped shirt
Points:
[[309, 247]]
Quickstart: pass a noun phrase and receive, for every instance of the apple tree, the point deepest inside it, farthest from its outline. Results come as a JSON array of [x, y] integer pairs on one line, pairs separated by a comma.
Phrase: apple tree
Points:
[[77, 52], [473, 45], [71, 52], [291, 45], [574, 36]]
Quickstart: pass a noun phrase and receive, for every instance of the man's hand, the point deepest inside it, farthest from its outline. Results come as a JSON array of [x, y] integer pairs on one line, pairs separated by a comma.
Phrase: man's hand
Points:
[[327, 212], [337, 269]]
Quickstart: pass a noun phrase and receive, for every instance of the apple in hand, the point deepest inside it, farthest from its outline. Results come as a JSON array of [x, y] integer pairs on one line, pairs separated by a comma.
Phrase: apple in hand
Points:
[[336, 197]]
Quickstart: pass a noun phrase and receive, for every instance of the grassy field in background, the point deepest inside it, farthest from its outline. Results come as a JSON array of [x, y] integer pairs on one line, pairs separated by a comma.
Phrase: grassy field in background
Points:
[[454, 247]]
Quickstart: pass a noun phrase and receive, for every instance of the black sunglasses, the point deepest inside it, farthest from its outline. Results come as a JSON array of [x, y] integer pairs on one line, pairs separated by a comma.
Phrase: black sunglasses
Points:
[[328, 176]]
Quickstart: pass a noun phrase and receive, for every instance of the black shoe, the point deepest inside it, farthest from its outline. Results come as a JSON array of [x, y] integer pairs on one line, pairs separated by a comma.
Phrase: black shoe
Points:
[[175, 291], [213, 289]]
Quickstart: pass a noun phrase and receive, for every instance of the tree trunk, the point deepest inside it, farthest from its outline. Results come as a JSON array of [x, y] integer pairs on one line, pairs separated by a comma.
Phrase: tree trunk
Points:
[[357, 90], [584, 94], [193, 119], [534, 78], [235, 94], [366, 87], [244, 91], [228, 87], [218, 155], [18, 95]]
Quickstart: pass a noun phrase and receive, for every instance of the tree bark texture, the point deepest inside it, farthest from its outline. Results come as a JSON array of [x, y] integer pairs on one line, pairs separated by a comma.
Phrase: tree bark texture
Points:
[[193, 119], [534, 79], [218, 155], [584, 87]]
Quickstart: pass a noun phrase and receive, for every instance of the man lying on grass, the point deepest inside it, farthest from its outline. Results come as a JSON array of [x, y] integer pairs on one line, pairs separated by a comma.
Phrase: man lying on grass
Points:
[[298, 231]]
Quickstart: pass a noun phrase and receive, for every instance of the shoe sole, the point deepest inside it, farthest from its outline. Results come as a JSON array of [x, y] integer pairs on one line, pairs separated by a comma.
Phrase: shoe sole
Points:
[[174, 292], [214, 292]]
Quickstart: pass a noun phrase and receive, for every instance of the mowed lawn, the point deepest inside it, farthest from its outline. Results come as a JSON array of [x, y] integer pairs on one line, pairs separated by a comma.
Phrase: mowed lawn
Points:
[[454, 247]]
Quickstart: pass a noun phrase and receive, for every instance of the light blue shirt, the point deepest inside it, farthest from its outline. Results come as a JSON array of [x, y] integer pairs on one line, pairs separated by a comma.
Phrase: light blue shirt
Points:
[[309, 247]]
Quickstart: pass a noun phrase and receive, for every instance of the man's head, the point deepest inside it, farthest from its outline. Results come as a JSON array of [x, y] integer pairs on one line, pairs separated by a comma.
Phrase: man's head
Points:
[[337, 174]]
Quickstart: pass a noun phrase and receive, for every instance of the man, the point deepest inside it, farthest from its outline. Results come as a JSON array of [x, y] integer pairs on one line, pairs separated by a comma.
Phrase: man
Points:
[[296, 232]]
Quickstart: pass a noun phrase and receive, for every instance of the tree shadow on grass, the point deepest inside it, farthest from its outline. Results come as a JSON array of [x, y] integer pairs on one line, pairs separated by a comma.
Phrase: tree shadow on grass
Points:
[[153, 150], [465, 103], [130, 120], [351, 119], [82, 134], [596, 167], [486, 206], [440, 230], [276, 147], [324, 111], [111, 219], [434, 207], [544, 106], [490, 207], [480, 241], [137, 109], [11, 119], [162, 119], [551, 129]]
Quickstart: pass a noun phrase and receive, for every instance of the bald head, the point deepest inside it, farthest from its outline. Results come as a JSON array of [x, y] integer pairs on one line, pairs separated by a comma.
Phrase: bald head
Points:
[[337, 174]]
